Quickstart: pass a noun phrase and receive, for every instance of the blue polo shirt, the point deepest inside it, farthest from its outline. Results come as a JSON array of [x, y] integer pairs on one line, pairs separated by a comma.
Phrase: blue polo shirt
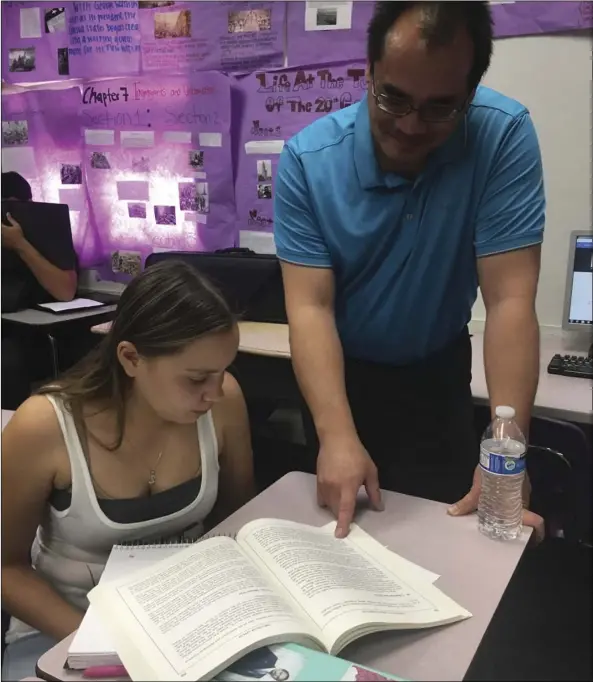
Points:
[[404, 252]]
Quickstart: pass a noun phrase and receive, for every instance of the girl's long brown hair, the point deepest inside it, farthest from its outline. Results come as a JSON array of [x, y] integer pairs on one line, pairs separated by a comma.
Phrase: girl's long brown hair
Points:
[[161, 310]]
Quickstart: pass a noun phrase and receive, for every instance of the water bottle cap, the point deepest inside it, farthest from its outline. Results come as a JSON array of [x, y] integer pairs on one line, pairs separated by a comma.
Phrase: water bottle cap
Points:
[[505, 412]]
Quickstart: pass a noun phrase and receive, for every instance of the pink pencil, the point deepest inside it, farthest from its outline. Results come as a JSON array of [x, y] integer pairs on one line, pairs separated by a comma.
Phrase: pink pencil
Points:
[[104, 671]]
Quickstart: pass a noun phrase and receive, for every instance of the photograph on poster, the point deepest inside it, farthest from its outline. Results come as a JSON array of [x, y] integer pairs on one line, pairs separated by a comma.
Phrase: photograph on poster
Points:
[[100, 160], [21, 60], [63, 63], [250, 21], [15, 133], [136, 210], [165, 215], [203, 200], [141, 164], [327, 16], [196, 159], [172, 24], [264, 170], [55, 20], [264, 191], [155, 4], [70, 174]]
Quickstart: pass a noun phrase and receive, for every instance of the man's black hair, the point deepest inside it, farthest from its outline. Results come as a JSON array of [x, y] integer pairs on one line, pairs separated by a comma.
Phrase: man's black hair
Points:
[[14, 186], [439, 22]]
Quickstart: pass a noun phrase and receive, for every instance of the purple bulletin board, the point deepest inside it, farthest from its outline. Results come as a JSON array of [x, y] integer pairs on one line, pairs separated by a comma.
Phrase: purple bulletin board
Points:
[[318, 34], [35, 41], [157, 159], [224, 36], [532, 18], [41, 141], [275, 106], [329, 43], [104, 39]]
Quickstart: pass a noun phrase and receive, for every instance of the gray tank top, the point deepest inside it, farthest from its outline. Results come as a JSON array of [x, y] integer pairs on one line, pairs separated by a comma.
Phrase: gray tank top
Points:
[[72, 546]]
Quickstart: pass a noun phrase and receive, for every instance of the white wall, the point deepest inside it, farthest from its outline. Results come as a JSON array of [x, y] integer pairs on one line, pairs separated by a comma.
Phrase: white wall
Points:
[[559, 98]]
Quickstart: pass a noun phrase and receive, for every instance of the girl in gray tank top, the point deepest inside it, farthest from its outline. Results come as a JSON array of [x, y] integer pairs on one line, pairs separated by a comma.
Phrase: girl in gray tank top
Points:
[[148, 438]]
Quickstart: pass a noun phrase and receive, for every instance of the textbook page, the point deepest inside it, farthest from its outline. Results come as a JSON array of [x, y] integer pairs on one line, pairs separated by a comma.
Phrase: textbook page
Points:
[[345, 589], [189, 616]]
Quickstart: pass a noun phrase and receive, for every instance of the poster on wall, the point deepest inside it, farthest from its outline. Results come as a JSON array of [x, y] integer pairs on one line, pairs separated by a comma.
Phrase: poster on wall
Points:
[[276, 105], [531, 18], [103, 38], [157, 159], [320, 31], [41, 141], [127, 38], [325, 31], [35, 42], [225, 36]]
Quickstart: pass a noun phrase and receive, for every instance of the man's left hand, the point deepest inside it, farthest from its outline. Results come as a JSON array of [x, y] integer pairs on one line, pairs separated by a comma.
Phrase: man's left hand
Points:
[[469, 504], [12, 234]]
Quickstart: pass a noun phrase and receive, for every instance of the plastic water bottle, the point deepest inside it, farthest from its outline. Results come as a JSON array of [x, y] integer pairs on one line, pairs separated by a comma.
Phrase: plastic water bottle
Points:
[[502, 467]]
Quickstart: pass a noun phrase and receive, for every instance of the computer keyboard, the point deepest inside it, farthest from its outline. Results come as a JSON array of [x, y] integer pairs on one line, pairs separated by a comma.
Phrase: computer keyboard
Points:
[[571, 366]]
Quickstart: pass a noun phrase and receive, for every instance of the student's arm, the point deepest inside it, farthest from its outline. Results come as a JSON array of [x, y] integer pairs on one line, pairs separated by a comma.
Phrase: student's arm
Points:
[[509, 233], [343, 464], [236, 483], [59, 283], [30, 442]]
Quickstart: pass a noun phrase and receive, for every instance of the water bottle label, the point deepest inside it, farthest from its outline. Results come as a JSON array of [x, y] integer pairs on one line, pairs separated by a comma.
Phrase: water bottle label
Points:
[[501, 464]]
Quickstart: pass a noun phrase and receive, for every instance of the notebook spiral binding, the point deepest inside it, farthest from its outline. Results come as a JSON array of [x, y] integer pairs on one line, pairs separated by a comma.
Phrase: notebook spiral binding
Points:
[[172, 542]]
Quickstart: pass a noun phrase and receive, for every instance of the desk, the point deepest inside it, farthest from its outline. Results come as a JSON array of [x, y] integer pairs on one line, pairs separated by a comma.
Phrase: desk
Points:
[[49, 323], [419, 530], [6, 417], [558, 397]]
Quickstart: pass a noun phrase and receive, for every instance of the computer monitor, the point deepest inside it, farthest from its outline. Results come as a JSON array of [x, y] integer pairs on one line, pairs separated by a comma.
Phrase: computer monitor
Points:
[[579, 282]]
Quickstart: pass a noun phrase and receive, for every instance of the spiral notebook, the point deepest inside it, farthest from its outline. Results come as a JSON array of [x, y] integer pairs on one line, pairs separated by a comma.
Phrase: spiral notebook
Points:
[[92, 645]]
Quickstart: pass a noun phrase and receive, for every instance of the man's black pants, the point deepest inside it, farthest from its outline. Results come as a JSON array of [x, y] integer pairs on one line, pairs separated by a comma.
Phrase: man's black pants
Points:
[[416, 422]]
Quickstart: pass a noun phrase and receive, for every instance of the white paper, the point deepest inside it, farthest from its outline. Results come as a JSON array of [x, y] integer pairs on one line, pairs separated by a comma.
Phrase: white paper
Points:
[[132, 190], [73, 197], [99, 137], [264, 147], [329, 15], [75, 304], [260, 242], [137, 138], [401, 566], [179, 136], [19, 159], [199, 175], [201, 218], [30, 22], [210, 139]]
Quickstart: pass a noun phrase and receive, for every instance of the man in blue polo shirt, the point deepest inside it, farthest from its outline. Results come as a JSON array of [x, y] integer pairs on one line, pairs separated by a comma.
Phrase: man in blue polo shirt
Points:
[[388, 215]]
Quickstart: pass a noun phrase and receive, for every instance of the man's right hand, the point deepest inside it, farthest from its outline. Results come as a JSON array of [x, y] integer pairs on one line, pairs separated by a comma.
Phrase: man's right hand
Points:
[[342, 467]]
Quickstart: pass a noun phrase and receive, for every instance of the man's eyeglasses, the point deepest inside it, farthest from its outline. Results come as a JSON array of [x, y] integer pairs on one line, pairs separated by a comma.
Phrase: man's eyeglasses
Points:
[[401, 106]]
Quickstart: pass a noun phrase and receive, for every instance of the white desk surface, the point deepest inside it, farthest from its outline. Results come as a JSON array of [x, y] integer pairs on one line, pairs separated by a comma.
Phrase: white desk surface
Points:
[[6, 416], [40, 318], [474, 572], [558, 397]]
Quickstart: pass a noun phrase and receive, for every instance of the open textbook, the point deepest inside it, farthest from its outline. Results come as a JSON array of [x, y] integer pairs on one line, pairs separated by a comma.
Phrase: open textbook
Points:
[[193, 614]]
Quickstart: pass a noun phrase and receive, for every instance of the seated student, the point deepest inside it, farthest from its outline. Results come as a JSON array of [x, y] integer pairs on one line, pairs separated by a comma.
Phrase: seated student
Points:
[[40, 280], [59, 281], [110, 453]]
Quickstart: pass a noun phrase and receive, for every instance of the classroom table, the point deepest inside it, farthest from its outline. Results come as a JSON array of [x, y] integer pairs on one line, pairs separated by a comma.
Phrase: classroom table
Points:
[[50, 324], [474, 572], [559, 397]]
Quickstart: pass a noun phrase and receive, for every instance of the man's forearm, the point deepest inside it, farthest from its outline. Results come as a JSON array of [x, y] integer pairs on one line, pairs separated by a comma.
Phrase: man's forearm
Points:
[[512, 358], [318, 362], [61, 284]]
